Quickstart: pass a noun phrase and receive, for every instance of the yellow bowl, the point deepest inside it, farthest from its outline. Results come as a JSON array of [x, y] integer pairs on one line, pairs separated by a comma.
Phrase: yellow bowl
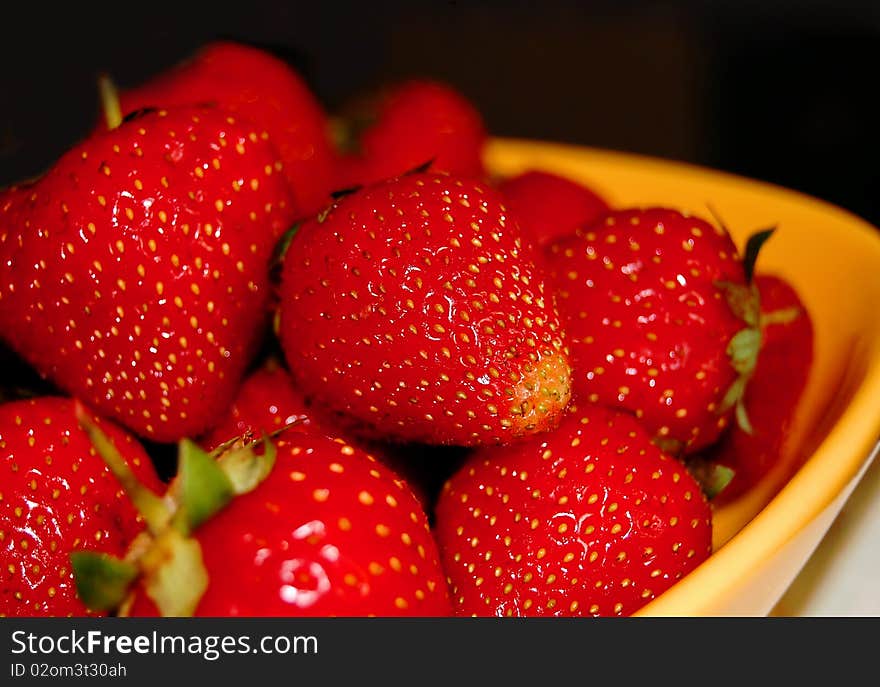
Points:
[[832, 258]]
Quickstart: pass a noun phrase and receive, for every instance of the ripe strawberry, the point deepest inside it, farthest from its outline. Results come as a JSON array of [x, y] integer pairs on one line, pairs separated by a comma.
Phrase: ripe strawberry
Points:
[[415, 308], [549, 206], [589, 520], [324, 531], [266, 402], [773, 392], [57, 496], [134, 273], [265, 92], [656, 306], [416, 122]]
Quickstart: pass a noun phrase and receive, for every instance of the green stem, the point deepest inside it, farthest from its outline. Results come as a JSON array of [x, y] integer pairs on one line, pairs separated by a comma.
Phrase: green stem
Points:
[[151, 507], [109, 101]]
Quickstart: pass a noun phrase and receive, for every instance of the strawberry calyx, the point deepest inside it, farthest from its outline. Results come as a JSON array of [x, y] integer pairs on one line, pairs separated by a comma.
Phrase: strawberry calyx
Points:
[[712, 477], [166, 559], [744, 346]]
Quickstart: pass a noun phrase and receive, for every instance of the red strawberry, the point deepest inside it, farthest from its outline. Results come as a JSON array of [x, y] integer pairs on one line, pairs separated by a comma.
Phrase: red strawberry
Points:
[[773, 392], [56, 495], [549, 206], [325, 531], [645, 299], [415, 308], [134, 273], [264, 91], [589, 520], [266, 402], [417, 122]]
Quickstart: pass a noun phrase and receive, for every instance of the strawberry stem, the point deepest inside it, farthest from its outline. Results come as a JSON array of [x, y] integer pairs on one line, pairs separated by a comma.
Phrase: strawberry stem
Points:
[[152, 508], [109, 101]]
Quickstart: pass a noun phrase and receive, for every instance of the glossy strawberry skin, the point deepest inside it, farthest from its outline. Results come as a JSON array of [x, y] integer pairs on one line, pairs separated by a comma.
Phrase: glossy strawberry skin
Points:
[[417, 122], [57, 497], [589, 520], [773, 392], [648, 323], [330, 532], [416, 309], [263, 90], [134, 274], [550, 206]]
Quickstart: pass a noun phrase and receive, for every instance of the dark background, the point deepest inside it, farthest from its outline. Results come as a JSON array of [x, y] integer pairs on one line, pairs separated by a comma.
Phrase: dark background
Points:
[[782, 91]]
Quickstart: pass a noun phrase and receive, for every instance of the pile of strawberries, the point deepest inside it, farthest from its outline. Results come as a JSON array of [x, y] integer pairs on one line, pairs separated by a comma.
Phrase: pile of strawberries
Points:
[[328, 330]]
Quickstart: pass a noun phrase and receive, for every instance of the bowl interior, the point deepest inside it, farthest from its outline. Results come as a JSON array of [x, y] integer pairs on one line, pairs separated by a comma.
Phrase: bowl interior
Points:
[[832, 258]]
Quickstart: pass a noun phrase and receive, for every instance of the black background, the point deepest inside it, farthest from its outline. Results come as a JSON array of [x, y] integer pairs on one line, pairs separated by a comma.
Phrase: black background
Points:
[[782, 91]]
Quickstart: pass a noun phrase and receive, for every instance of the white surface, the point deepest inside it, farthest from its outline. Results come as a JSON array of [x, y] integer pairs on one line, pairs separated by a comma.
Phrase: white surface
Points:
[[841, 578]]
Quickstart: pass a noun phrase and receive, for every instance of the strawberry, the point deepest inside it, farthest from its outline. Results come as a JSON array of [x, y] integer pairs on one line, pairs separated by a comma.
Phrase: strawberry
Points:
[[589, 520], [549, 206], [414, 308], [267, 93], [266, 402], [413, 123], [311, 527], [773, 392], [134, 273], [57, 496], [661, 320]]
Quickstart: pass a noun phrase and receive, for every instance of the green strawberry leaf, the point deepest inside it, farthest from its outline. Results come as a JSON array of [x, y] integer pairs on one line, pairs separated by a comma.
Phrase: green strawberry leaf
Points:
[[743, 350], [753, 247], [782, 316], [742, 418], [245, 469], [713, 477], [203, 489], [176, 577], [102, 581], [744, 301]]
